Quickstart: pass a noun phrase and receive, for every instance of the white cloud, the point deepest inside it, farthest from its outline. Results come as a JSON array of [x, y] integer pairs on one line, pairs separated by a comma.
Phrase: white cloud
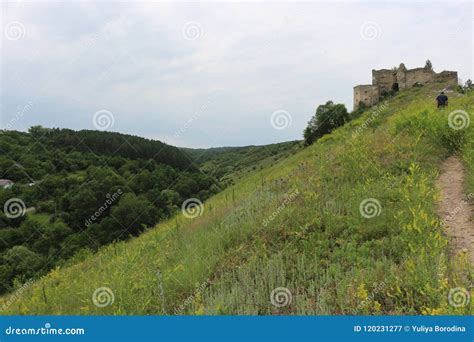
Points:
[[253, 58]]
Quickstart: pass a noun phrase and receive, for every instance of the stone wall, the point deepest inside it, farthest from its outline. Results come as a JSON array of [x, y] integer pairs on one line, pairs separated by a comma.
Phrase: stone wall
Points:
[[385, 80], [418, 75], [368, 94], [450, 77]]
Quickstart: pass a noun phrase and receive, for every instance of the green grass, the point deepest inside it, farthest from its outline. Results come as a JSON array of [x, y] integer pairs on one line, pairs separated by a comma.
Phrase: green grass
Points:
[[296, 225]]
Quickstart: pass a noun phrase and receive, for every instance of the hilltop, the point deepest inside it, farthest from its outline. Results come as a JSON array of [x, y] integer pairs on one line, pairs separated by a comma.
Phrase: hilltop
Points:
[[347, 225]]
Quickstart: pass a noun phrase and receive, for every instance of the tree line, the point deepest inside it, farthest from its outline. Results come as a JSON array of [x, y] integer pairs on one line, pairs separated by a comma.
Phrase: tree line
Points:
[[84, 189]]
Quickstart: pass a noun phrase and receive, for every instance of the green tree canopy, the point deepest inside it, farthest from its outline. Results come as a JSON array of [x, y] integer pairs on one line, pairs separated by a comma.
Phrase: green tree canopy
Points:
[[328, 117]]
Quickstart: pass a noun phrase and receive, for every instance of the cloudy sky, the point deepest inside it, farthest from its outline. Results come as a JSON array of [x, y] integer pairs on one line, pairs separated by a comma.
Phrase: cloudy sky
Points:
[[211, 74]]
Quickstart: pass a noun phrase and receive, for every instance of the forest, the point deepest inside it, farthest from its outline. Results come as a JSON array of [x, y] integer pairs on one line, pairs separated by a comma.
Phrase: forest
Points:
[[75, 191], [229, 164]]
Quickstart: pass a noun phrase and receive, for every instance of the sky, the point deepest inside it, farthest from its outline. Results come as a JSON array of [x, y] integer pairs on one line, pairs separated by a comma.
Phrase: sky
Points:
[[208, 74]]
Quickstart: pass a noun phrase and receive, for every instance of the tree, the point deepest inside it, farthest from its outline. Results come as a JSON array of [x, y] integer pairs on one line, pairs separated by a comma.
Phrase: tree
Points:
[[38, 131], [468, 85], [328, 117], [52, 235], [132, 214], [82, 205], [428, 65], [5, 277], [23, 261]]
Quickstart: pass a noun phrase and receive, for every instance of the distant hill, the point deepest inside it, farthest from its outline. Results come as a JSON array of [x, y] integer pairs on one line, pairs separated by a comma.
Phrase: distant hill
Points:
[[112, 144], [230, 163]]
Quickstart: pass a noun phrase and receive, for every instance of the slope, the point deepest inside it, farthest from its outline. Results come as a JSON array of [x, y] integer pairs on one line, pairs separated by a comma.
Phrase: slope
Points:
[[346, 226], [229, 164]]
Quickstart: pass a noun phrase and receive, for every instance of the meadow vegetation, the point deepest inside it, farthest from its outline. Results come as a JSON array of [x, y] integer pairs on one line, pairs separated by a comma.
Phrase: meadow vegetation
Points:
[[346, 226]]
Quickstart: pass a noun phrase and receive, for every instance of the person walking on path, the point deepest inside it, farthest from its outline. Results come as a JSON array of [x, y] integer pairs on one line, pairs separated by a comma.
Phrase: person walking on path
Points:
[[442, 100]]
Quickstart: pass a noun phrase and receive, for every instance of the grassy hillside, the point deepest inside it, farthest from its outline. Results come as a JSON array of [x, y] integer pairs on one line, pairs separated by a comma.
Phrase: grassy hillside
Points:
[[345, 226]]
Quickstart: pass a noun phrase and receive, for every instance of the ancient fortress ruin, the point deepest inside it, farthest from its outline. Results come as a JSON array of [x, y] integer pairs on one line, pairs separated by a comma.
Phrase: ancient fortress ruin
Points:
[[386, 80]]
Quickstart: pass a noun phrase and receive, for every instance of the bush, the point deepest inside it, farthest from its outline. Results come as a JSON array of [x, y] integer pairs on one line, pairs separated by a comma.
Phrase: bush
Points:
[[327, 118], [359, 111], [468, 86], [459, 89]]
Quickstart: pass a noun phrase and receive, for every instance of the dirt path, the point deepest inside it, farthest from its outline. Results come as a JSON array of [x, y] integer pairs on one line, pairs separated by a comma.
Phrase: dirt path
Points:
[[454, 208]]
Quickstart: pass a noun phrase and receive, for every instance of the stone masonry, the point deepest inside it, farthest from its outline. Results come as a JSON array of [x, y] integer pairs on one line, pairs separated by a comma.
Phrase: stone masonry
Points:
[[386, 80]]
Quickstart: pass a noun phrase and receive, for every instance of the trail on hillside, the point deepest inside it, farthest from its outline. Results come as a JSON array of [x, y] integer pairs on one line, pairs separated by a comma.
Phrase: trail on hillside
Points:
[[454, 208]]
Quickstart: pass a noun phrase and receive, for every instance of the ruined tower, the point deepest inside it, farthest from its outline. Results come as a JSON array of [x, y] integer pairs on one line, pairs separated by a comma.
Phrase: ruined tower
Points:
[[386, 80]]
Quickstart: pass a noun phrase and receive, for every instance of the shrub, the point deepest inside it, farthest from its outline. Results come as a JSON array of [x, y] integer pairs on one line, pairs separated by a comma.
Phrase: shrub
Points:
[[359, 111], [428, 65], [327, 118]]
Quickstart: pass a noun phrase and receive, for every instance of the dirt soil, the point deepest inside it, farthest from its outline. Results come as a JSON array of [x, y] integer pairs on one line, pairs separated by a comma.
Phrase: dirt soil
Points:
[[454, 207]]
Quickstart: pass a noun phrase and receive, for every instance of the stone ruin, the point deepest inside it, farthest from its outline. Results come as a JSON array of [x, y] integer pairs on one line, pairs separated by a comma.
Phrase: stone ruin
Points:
[[385, 81]]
